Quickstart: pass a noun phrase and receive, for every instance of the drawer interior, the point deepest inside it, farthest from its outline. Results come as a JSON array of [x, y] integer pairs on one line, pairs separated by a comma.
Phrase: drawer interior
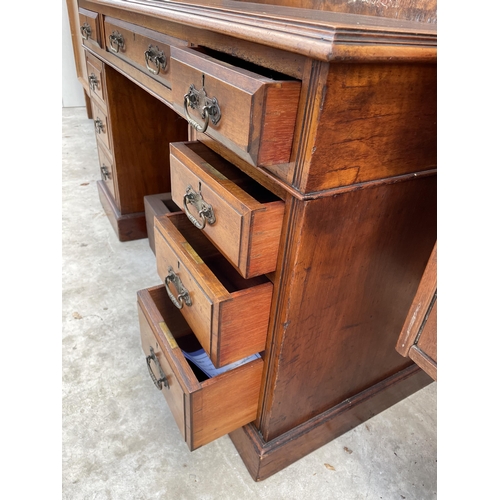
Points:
[[171, 206], [204, 408], [185, 339], [177, 326], [165, 310], [222, 269], [229, 171], [232, 61]]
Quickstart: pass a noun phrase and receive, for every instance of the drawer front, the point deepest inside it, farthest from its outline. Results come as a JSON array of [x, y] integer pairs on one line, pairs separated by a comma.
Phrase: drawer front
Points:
[[252, 115], [106, 168], [242, 219], [101, 124], [204, 409], [146, 49], [228, 314], [89, 27], [95, 74]]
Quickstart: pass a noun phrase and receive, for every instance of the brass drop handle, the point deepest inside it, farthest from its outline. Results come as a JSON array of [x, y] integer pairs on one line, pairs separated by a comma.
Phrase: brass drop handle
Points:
[[98, 125], [208, 108], [85, 30], [191, 121], [157, 57], [93, 81], [105, 172], [158, 382], [116, 42], [182, 294], [205, 211]]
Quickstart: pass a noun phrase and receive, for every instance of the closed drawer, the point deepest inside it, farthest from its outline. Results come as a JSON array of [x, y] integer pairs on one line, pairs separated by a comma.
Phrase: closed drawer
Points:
[[89, 27], [95, 73], [243, 219], [252, 114], [101, 124], [228, 314], [106, 167], [204, 409], [146, 49]]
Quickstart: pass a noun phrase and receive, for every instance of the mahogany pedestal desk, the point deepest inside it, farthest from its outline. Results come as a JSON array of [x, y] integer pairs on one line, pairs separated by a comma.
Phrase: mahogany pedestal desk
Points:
[[301, 145]]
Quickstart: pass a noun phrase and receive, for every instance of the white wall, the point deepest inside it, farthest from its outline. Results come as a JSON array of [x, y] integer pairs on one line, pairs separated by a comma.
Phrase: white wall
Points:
[[72, 91]]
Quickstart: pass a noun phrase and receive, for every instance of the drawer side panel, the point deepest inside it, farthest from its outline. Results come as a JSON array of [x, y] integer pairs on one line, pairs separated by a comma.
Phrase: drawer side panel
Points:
[[278, 123], [243, 323], [174, 395], [225, 404]]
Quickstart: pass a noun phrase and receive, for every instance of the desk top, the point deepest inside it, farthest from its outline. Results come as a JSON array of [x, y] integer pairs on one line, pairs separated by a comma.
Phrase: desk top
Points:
[[322, 35]]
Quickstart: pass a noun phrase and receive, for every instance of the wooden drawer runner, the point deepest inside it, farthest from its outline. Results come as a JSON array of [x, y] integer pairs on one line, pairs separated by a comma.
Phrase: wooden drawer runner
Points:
[[95, 72], [157, 205], [228, 314], [101, 124], [204, 409], [89, 27], [148, 50], [257, 113], [106, 168], [244, 220]]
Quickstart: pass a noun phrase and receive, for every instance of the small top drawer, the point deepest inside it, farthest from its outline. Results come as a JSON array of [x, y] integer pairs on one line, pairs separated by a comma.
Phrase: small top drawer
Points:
[[203, 408], [252, 114], [146, 49], [241, 218], [89, 27], [228, 314]]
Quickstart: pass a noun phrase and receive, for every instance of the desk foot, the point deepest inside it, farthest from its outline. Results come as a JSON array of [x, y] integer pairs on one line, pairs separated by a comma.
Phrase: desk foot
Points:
[[127, 227], [263, 459]]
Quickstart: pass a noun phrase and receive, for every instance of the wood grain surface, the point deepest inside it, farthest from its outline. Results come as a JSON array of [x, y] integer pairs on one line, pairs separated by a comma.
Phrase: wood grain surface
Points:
[[265, 458], [144, 121], [418, 337], [421, 11], [323, 35], [373, 122], [350, 269], [127, 227], [203, 410], [260, 128], [248, 218], [229, 315]]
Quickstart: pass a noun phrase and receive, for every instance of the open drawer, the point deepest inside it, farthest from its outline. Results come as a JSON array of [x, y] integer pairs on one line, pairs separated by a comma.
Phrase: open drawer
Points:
[[243, 219], [249, 109], [204, 410], [228, 314]]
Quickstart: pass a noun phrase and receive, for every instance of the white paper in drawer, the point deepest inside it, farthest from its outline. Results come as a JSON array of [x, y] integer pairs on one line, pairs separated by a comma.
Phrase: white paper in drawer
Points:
[[202, 361]]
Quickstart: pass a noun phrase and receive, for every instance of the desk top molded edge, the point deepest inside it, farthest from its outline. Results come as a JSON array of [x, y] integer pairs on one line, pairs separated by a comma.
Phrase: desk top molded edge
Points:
[[325, 36]]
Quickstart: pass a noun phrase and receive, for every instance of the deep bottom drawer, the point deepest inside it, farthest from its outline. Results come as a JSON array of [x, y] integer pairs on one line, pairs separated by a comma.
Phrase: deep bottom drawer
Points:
[[204, 408]]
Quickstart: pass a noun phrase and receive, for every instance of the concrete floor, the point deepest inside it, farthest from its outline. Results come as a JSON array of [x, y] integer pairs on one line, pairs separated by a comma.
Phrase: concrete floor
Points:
[[120, 440]]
